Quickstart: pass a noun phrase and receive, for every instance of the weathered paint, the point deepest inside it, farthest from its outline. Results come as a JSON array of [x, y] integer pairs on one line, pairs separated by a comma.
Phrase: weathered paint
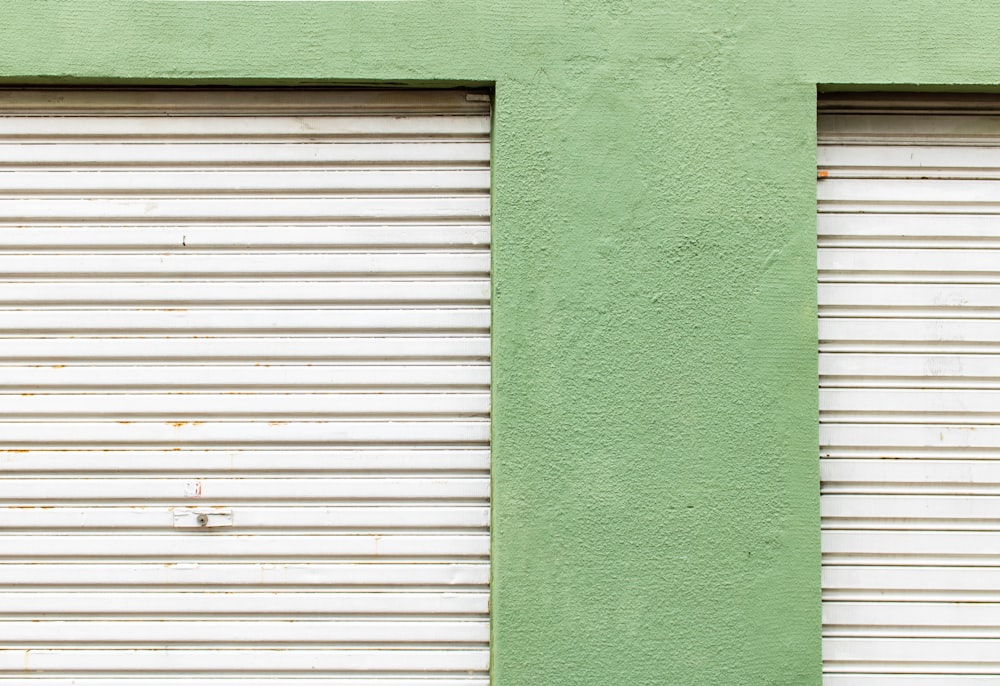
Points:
[[656, 503]]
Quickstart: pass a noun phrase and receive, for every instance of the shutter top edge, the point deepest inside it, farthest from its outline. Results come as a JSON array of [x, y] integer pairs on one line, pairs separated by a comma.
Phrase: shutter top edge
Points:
[[243, 101], [890, 102]]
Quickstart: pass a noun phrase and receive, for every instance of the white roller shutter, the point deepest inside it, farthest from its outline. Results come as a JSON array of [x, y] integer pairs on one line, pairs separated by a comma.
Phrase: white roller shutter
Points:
[[909, 328], [244, 387]]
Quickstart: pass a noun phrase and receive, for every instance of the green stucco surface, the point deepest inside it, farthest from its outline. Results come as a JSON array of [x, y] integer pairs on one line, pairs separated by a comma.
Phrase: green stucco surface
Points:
[[655, 484]]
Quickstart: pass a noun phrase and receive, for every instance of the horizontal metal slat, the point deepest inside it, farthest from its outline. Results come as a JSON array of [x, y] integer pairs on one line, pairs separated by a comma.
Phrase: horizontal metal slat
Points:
[[218, 545], [203, 632], [384, 516], [195, 490], [878, 452], [835, 298], [250, 208], [189, 293], [908, 365], [904, 227], [903, 102], [917, 192], [242, 237], [876, 511], [153, 183], [931, 436], [965, 406], [263, 433], [926, 206], [299, 267], [944, 276], [967, 620], [893, 544], [911, 331], [881, 173], [273, 462], [883, 523], [920, 655], [103, 155], [876, 310], [946, 241], [242, 661], [911, 583], [254, 603], [260, 349], [245, 575], [909, 347], [301, 320], [907, 261], [887, 370], [230, 377], [230, 404], [310, 127], [909, 161], [945, 477], [915, 559], [242, 101], [883, 128]]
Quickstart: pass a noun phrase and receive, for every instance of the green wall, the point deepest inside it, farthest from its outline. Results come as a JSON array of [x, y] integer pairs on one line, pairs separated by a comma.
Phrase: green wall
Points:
[[656, 506]]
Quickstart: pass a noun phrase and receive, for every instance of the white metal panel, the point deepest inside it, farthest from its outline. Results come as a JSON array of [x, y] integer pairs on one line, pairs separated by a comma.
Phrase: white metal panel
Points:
[[293, 237], [212, 294], [227, 660], [273, 575], [155, 182], [111, 154], [310, 127], [246, 488], [193, 603], [909, 306], [912, 583], [399, 460], [261, 349], [403, 515], [271, 308], [264, 266], [471, 377]]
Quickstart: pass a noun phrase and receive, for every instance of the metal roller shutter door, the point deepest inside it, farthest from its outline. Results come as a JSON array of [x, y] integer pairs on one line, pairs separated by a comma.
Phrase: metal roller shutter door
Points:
[[909, 303], [244, 387]]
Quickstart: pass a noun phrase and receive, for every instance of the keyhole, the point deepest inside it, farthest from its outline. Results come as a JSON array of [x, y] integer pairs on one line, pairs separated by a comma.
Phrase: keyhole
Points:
[[203, 520]]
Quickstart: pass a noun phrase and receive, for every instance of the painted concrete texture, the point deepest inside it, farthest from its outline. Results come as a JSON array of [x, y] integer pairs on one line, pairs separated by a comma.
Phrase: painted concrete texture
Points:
[[656, 473]]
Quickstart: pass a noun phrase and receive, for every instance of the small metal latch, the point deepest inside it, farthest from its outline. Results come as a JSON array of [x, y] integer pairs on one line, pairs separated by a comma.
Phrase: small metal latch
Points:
[[202, 519]]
